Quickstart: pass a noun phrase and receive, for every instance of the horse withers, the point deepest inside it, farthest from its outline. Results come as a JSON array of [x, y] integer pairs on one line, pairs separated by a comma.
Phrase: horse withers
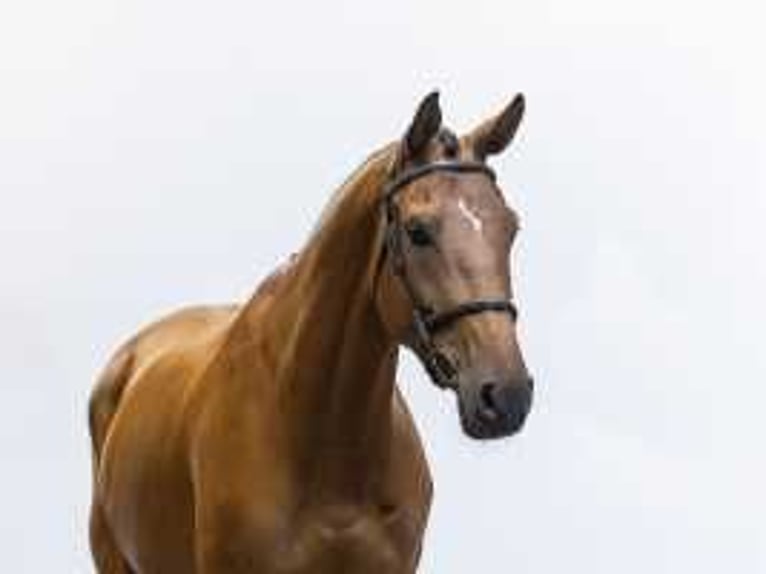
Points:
[[270, 437]]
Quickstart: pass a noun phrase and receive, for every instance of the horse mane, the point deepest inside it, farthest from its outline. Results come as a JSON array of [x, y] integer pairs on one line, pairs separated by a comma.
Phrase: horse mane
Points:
[[357, 197], [367, 177]]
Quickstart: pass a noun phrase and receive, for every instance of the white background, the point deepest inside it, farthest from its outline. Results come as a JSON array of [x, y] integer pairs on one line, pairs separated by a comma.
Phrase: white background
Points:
[[159, 153]]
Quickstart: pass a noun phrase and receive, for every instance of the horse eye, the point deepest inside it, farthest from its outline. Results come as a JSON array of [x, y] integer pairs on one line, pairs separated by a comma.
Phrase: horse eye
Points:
[[419, 234]]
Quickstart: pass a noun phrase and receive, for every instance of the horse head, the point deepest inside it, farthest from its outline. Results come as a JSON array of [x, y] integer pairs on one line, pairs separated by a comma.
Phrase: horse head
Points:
[[446, 289]]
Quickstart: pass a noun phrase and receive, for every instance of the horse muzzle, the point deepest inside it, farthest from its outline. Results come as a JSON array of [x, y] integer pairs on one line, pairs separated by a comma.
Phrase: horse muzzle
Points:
[[493, 408]]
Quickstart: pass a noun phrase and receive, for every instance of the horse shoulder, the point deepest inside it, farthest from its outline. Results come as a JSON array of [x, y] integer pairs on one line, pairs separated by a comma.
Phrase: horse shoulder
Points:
[[240, 487], [139, 403]]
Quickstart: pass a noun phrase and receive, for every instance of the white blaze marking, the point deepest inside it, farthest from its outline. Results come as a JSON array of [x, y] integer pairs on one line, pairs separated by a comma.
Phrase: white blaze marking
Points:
[[469, 215]]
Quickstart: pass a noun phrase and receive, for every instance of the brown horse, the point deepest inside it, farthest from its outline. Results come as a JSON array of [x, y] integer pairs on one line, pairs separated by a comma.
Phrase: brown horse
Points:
[[271, 437]]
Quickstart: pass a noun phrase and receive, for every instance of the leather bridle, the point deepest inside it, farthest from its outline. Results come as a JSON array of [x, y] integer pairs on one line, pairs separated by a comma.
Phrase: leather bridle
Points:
[[425, 321]]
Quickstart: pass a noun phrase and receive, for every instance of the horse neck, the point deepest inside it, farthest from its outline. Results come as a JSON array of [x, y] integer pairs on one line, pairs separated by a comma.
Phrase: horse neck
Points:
[[335, 361]]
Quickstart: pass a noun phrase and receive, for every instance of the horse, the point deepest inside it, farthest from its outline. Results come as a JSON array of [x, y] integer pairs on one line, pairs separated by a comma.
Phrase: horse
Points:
[[271, 437]]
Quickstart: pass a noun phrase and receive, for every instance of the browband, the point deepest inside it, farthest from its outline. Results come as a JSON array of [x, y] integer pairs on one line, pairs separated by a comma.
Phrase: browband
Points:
[[410, 175]]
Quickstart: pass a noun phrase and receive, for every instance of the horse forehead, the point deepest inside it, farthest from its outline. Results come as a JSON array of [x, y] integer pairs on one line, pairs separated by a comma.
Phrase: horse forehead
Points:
[[470, 215], [455, 193], [472, 192]]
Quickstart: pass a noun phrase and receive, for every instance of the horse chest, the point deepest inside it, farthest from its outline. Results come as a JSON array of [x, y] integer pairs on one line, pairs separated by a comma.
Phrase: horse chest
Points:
[[371, 543]]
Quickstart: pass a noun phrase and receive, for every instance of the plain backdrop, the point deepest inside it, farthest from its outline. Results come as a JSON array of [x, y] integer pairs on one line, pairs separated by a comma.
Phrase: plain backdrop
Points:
[[155, 154]]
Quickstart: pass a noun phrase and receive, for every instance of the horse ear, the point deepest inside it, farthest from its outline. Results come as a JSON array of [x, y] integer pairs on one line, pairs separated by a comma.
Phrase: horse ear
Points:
[[424, 126], [493, 136]]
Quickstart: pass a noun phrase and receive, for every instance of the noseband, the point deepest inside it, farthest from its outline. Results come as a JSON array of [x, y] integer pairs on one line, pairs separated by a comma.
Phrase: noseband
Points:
[[425, 321]]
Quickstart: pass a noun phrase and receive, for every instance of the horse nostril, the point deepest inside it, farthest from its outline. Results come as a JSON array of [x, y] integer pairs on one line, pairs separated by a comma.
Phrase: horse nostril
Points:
[[498, 399], [500, 407], [487, 399]]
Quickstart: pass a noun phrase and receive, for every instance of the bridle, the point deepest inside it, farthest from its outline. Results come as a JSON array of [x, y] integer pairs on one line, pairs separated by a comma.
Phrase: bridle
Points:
[[425, 321]]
